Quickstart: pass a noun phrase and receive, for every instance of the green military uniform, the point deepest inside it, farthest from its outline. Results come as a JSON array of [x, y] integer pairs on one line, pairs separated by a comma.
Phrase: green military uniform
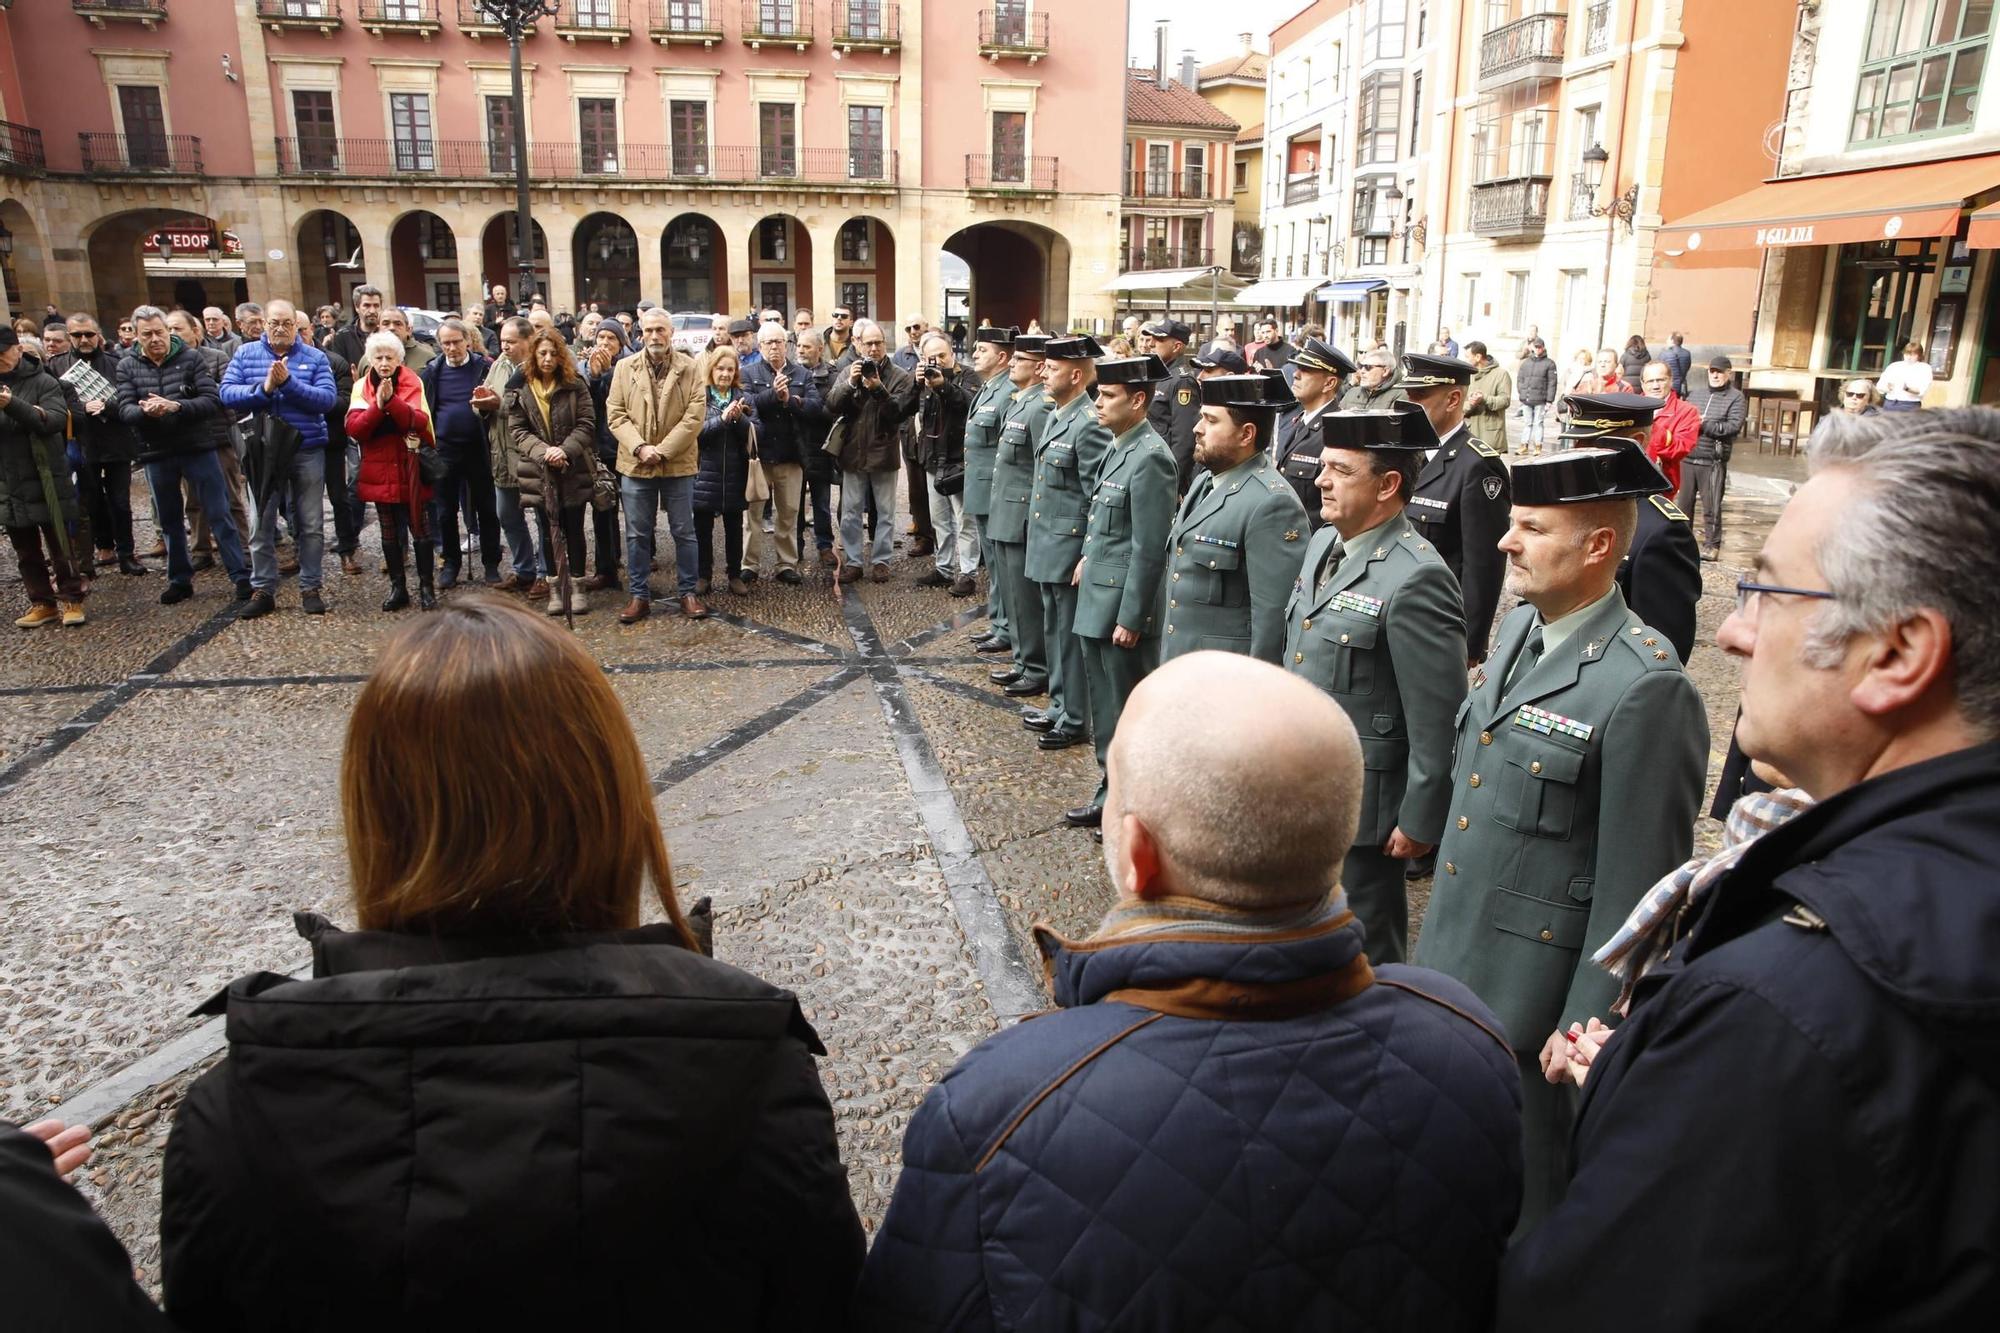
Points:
[[1575, 787], [1013, 484], [982, 446], [1069, 453], [1376, 622], [1124, 552]]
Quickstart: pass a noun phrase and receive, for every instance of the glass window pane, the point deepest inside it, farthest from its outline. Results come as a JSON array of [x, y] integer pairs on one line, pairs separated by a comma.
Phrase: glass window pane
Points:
[[1944, 21], [1864, 125], [1881, 28], [1978, 18], [1965, 76], [1910, 32]]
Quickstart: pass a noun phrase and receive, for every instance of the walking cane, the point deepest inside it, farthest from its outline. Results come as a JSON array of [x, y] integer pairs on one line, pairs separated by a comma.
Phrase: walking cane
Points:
[[553, 515]]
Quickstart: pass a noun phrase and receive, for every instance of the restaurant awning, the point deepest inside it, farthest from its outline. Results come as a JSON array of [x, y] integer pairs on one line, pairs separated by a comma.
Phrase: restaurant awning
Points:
[[1882, 203], [1984, 233], [1163, 279], [1354, 289], [1279, 293]]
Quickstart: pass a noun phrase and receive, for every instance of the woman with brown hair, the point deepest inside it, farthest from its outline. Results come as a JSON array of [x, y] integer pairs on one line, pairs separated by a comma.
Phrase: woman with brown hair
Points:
[[553, 428], [503, 1103]]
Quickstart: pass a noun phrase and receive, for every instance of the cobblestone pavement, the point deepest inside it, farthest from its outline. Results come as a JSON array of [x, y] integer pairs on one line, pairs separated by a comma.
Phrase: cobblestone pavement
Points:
[[876, 829]]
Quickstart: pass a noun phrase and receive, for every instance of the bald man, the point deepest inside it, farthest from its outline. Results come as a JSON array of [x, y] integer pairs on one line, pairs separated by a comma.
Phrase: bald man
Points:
[[1162, 1151]]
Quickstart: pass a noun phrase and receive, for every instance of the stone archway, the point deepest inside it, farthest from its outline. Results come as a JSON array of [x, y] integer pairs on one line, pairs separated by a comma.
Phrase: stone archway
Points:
[[500, 257], [24, 261], [198, 266], [330, 260], [781, 264], [694, 264], [864, 269], [606, 254], [1020, 272], [423, 263]]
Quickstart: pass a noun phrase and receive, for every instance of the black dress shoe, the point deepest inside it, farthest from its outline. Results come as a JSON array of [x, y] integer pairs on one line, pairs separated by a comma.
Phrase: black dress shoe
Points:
[[127, 565], [1026, 689], [1420, 867], [1058, 739], [1085, 816], [1037, 720], [176, 592], [1004, 675], [1097, 836], [993, 646]]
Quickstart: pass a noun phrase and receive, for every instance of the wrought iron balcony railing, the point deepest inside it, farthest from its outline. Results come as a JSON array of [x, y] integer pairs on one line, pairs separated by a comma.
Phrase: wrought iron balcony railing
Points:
[[1153, 258], [866, 25], [148, 154], [1007, 171], [594, 20], [1529, 48], [1513, 208], [21, 149], [1597, 28], [778, 23], [304, 15], [1302, 189], [686, 21], [99, 12], [1011, 32], [1188, 183], [477, 159], [379, 16]]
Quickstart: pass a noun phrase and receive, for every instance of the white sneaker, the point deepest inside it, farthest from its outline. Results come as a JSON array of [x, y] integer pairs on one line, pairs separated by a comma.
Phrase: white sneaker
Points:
[[579, 601], [555, 604]]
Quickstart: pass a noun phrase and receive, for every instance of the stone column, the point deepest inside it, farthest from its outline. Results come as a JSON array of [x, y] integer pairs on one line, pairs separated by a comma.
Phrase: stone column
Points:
[[652, 262], [559, 229]]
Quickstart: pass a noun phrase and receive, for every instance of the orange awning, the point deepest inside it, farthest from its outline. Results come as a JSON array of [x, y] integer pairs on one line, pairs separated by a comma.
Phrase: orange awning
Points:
[[1883, 203], [1984, 233]]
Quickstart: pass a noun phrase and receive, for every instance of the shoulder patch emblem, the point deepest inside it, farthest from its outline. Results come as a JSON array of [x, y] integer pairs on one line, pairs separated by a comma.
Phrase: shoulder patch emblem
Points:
[[1292, 535], [1185, 396], [1492, 486], [1668, 509], [1482, 449]]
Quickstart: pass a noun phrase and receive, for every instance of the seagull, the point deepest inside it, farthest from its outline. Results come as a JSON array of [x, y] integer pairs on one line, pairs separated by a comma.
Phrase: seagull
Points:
[[352, 261]]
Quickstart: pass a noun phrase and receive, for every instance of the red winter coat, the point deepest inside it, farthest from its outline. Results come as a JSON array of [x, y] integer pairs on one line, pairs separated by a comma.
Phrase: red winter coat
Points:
[[1676, 431], [389, 471]]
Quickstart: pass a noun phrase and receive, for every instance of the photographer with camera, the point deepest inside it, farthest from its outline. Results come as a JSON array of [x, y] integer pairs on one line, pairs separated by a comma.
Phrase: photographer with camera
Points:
[[869, 398], [945, 394]]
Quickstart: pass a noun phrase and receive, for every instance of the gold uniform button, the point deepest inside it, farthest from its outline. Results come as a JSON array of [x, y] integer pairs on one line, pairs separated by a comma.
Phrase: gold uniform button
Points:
[[1211, 564], [1548, 934], [1179, 551], [1450, 869], [1307, 625], [1298, 657], [1535, 767], [1486, 738], [1177, 578], [1463, 822], [1343, 638], [1475, 781], [1170, 629], [1173, 605]]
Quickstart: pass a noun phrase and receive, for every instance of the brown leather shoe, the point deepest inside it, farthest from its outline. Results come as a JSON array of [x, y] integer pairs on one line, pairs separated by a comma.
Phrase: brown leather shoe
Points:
[[598, 582], [349, 565], [538, 590], [512, 583], [692, 608], [287, 567], [635, 611]]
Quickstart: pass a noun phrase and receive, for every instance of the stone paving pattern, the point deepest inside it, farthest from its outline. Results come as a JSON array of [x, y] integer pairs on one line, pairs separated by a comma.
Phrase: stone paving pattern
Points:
[[157, 850]]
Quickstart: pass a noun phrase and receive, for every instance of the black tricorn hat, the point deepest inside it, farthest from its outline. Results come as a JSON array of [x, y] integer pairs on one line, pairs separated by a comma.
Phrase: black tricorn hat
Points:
[[1372, 430], [1581, 476], [1222, 357], [1248, 392], [1421, 370], [1589, 415], [998, 337], [1076, 347], [1032, 344], [1147, 369]]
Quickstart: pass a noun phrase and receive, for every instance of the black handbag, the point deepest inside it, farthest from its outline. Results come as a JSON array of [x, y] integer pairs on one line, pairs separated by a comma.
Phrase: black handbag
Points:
[[430, 463]]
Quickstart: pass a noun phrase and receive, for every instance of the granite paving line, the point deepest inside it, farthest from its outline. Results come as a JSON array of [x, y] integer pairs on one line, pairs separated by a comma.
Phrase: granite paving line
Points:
[[750, 626], [761, 725], [963, 689], [957, 622], [31, 691], [1012, 987]]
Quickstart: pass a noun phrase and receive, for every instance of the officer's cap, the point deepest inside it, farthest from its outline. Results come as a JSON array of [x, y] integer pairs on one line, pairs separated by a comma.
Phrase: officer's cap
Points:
[[1375, 431], [1582, 476], [1319, 354], [1167, 328], [1222, 358], [1030, 344], [998, 337], [1421, 370], [1147, 369], [1246, 392], [1589, 415], [1077, 347]]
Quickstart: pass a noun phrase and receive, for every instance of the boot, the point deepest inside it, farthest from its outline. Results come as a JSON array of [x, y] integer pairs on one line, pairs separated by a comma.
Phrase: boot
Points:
[[399, 589], [426, 587]]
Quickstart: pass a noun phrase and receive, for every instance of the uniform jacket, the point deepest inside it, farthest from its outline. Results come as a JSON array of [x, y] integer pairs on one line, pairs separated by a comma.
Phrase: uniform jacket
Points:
[[572, 1132], [1381, 634], [666, 412], [724, 473], [783, 427], [1660, 578], [1295, 453], [1112, 1166], [301, 402], [1799, 1118], [1554, 836], [1175, 409], [1488, 425], [31, 439], [1069, 453], [1676, 428], [389, 470], [1461, 503], [1235, 548], [870, 417], [183, 377], [1722, 412], [104, 438], [982, 442], [1535, 380], [569, 426], [1125, 544], [1021, 424]]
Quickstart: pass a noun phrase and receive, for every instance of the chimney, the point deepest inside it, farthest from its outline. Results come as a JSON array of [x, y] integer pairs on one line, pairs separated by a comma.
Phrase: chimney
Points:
[[1160, 78], [1187, 67], [1244, 38]]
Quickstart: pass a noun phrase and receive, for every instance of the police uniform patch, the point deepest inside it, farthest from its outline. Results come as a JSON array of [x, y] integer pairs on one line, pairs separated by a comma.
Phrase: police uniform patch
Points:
[[1669, 509], [1492, 487], [1482, 449], [1185, 397], [1530, 718]]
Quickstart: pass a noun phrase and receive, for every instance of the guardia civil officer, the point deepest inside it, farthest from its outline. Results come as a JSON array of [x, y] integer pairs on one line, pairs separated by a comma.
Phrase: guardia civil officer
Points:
[[1661, 577], [991, 348], [1177, 403], [1236, 543], [1069, 450], [1013, 483], [1124, 552], [1581, 753], [1375, 621], [1318, 369], [1462, 495]]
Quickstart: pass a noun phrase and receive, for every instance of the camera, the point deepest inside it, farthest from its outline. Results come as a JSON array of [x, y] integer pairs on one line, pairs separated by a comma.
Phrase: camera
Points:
[[870, 368], [931, 363]]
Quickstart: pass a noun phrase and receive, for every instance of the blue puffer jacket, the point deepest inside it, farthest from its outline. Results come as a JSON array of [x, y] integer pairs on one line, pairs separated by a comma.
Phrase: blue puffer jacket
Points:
[[1207, 1136], [302, 401], [725, 457]]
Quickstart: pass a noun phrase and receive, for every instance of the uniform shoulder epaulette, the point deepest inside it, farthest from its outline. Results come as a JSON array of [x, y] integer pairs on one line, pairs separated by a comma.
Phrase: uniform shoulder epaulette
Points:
[[1669, 509], [1481, 448], [1651, 647]]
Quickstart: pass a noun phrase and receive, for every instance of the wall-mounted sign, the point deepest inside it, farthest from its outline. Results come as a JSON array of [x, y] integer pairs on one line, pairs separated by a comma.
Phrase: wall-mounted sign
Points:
[[1956, 278], [192, 237]]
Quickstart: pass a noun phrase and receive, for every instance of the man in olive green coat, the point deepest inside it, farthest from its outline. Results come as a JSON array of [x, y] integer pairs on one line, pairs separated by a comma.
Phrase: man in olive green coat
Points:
[[1375, 620], [1237, 541], [1124, 551], [1487, 399], [990, 349], [1068, 453], [1582, 751], [1013, 482]]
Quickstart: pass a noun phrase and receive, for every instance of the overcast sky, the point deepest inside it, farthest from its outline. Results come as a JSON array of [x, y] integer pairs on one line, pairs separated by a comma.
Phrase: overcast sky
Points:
[[1207, 26]]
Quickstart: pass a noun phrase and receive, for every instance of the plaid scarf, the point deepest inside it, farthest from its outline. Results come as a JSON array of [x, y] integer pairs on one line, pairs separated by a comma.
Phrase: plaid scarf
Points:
[[1183, 917], [1650, 933]]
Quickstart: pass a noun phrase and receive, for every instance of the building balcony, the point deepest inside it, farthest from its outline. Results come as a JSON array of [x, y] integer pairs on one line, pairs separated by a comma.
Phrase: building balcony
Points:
[[21, 150], [594, 21], [383, 17], [777, 23], [1190, 185], [150, 13], [691, 21], [1513, 208], [1008, 171], [1013, 35], [1302, 189], [1157, 258], [477, 24], [321, 16], [1597, 28], [867, 25], [479, 160], [1528, 50], [1582, 199], [140, 154]]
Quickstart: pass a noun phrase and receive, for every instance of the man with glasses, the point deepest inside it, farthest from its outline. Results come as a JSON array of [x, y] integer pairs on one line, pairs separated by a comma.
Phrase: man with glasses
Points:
[[870, 398], [1375, 387], [838, 336], [1580, 760], [1857, 398], [104, 479], [1705, 471]]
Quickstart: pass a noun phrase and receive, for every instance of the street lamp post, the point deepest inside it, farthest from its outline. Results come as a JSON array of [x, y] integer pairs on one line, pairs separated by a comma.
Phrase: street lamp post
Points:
[[1623, 209], [517, 18]]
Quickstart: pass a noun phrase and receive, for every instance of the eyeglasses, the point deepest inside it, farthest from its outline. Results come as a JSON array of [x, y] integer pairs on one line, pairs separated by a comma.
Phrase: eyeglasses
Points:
[[1747, 594], [1856, 396], [85, 333], [842, 314]]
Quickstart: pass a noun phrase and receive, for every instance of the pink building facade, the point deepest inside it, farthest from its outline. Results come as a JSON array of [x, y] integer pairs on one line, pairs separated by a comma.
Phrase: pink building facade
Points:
[[709, 154]]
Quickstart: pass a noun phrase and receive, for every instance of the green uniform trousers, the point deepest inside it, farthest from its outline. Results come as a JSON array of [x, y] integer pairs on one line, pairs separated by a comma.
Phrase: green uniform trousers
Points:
[[1374, 885], [1113, 673], [996, 588], [1069, 692], [1024, 609]]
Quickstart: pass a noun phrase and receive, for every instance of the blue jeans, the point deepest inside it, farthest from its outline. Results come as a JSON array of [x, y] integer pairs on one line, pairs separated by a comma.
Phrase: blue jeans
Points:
[[203, 472], [514, 522], [1534, 415], [855, 488], [307, 491], [643, 499]]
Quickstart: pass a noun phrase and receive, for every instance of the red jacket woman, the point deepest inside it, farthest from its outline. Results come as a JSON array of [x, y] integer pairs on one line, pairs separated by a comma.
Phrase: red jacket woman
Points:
[[387, 410]]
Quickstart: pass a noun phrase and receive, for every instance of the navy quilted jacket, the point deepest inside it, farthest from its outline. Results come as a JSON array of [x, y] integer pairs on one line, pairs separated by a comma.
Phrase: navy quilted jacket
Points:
[[1107, 1166]]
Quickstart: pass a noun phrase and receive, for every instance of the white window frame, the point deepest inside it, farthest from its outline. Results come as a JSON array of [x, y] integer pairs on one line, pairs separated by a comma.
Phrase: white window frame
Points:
[[492, 78], [310, 74], [597, 83], [408, 76], [689, 85], [135, 69], [1010, 95]]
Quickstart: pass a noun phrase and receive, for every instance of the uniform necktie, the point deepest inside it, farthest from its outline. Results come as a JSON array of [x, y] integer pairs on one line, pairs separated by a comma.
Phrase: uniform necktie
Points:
[[1334, 555], [1202, 485], [1531, 653]]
